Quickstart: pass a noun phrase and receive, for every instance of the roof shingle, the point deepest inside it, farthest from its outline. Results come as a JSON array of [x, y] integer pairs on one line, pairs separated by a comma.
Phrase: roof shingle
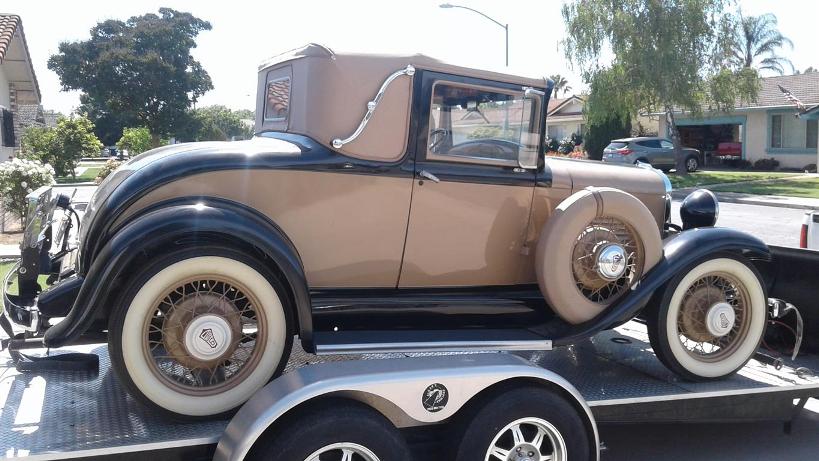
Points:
[[803, 86], [8, 25]]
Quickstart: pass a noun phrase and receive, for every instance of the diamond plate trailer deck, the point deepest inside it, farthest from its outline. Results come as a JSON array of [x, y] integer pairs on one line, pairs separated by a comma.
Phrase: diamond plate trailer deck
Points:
[[62, 415]]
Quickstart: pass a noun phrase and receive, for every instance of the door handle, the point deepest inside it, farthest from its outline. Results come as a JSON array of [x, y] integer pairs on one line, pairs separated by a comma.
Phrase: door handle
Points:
[[427, 175]]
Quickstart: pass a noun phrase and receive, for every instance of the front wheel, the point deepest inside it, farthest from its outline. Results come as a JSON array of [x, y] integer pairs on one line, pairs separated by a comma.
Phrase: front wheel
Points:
[[199, 332], [692, 163], [710, 320]]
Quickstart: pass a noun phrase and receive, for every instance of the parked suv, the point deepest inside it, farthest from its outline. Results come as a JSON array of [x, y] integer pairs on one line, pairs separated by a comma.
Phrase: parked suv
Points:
[[386, 204], [658, 152]]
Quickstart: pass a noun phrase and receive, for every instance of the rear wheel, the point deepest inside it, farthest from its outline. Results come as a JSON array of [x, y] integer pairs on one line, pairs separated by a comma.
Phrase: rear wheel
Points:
[[528, 423], [710, 320], [336, 431], [692, 163], [199, 332]]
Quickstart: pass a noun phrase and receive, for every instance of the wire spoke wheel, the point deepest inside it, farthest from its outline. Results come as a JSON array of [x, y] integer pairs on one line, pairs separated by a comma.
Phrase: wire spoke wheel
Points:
[[343, 452], [714, 317], [528, 439], [607, 258], [205, 335]]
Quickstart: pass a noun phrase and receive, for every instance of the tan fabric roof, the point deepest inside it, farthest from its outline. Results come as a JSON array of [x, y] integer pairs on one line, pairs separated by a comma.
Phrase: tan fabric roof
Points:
[[420, 61]]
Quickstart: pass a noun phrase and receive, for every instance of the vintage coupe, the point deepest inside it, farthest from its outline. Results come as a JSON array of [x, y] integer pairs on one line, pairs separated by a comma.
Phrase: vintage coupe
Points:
[[386, 203]]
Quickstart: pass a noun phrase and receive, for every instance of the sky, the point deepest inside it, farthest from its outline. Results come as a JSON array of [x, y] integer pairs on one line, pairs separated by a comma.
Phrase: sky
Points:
[[247, 32]]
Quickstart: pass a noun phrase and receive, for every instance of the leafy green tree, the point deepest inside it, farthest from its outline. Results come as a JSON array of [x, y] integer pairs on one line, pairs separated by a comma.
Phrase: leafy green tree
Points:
[[135, 140], [561, 84], [757, 43], [215, 123], [668, 55], [64, 146], [141, 70]]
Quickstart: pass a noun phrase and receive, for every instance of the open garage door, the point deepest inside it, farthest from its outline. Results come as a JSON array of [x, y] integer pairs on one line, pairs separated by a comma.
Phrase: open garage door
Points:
[[717, 139]]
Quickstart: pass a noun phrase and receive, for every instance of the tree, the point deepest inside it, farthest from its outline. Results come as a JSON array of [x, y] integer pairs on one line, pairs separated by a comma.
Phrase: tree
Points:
[[141, 70], [215, 123], [809, 70], [669, 55], [561, 84], [135, 140], [756, 43], [62, 147]]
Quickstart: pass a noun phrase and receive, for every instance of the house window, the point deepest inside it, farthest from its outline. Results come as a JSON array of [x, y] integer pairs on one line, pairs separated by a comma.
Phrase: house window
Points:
[[776, 131], [812, 135]]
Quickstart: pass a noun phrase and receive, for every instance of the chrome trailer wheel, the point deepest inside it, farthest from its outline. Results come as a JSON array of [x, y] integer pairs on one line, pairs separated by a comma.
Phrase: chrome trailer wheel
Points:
[[197, 336], [343, 452], [710, 320], [528, 439]]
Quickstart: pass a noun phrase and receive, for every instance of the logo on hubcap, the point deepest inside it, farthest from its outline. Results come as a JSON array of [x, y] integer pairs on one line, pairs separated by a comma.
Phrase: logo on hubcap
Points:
[[208, 337]]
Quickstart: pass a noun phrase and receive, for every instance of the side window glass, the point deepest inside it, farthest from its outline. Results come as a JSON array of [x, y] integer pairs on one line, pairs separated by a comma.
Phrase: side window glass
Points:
[[471, 122], [666, 145]]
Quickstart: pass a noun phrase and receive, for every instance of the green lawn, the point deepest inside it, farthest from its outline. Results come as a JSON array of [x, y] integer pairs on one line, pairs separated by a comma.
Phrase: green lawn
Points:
[[88, 175], [793, 188], [704, 178]]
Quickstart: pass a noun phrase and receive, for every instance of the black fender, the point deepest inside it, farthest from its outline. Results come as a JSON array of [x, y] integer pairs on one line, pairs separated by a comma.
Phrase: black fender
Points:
[[188, 220], [679, 252]]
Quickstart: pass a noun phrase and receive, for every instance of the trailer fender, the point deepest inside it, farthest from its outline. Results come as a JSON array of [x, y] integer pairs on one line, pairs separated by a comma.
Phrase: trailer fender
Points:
[[170, 223], [395, 388], [679, 252]]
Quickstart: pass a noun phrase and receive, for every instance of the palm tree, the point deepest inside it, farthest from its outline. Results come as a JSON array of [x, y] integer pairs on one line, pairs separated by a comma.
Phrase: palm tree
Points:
[[561, 84], [756, 44]]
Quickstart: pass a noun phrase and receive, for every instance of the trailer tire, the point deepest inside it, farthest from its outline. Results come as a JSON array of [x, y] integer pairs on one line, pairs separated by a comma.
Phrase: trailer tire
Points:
[[532, 419], [165, 312], [332, 427], [719, 300]]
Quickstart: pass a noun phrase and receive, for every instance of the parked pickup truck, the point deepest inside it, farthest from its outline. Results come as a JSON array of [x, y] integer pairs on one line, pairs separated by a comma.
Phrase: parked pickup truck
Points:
[[809, 237]]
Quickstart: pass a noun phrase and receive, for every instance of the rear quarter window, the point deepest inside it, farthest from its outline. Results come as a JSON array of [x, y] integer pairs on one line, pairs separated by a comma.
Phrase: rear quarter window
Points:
[[615, 146]]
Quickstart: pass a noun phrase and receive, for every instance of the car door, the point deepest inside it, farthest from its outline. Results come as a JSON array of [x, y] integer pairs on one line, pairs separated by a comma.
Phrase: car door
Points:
[[667, 155], [471, 201]]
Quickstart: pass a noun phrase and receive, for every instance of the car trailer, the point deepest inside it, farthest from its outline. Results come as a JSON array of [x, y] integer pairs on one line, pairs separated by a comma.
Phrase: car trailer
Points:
[[611, 378]]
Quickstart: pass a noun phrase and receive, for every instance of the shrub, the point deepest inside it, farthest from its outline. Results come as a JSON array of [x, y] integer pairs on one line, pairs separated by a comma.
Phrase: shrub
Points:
[[577, 139], [599, 135], [552, 144], [809, 168], [107, 169], [63, 146], [566, 146], [134, 140], [766, 164], [19, 177], [484, 132]]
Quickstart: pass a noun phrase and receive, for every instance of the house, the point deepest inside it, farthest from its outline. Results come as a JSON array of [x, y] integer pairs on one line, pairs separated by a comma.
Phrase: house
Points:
[[564, 117], [19, 91], [772, 126]]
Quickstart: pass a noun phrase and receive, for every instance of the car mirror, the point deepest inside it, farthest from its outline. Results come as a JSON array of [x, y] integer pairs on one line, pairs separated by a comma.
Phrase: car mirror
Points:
[[529, 140]]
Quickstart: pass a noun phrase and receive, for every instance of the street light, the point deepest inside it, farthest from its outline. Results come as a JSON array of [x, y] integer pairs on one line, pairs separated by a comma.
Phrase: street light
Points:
[[505, 26]]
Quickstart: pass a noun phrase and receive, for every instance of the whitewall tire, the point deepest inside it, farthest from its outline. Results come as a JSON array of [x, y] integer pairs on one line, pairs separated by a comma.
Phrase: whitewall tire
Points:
[[711, 319], [197, 336]]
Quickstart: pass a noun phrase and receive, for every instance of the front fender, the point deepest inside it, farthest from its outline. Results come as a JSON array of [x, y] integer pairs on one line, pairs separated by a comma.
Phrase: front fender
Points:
[[679, 252], [206, 218]]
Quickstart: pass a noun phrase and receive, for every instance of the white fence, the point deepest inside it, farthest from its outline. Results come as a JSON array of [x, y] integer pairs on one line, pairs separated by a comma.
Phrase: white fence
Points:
[[6, 153]]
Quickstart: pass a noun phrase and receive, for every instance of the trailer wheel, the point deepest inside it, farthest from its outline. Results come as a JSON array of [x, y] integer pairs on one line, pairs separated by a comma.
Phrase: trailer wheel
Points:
[[710, 320], [336, 430], [528, 423], [199, 331]]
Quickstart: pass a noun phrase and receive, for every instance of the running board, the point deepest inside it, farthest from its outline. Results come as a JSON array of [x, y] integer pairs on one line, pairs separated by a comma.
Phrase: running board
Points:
[[390, 341]]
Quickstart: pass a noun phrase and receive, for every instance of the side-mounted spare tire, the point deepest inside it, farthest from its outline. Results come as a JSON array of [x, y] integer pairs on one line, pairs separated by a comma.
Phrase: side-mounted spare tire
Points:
[[594, 247]]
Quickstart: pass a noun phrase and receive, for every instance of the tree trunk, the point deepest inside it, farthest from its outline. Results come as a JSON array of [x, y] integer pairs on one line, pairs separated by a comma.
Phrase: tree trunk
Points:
[[155, 140], [671, 125]]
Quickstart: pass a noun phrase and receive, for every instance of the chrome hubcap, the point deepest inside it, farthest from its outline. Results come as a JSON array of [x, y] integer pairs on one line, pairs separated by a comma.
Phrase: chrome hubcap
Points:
[[611, 262], [528, 439], [720, 319], [208, 337], [345, 451]]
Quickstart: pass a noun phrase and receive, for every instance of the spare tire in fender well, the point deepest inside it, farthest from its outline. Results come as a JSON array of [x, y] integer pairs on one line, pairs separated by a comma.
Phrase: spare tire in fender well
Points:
[[558, 237]]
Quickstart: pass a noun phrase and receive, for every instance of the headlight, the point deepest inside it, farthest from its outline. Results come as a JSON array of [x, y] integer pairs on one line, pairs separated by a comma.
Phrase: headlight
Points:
[[699, 209]]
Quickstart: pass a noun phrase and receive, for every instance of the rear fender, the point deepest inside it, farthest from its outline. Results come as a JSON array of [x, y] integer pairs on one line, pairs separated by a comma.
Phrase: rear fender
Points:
[[206, 219], [679, 252]]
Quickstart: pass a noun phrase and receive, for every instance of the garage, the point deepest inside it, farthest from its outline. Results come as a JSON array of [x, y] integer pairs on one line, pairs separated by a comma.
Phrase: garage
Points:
[[715, 137]]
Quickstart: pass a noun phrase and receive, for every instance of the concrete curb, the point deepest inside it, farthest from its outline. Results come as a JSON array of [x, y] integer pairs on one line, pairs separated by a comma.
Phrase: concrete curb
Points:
[[760, 200]]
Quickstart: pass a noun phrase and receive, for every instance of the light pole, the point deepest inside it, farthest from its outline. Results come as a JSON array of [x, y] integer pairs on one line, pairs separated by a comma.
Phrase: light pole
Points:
[[505, 26]]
